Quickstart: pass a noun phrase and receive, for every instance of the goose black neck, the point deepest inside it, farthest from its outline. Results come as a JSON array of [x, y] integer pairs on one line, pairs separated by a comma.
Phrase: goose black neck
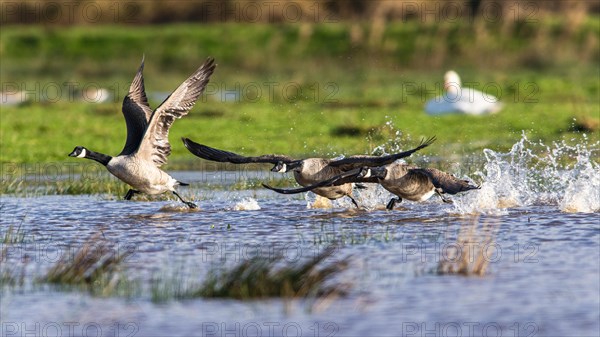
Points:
[[294, 165], [99, 157]]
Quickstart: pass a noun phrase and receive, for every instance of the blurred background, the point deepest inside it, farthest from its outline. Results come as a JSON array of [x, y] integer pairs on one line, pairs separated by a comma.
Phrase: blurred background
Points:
[[299, 77]]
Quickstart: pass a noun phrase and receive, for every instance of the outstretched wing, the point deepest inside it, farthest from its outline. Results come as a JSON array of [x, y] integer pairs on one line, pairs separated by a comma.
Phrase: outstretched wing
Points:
[[136, 111], [372, 161], [155, 145], [343, 178], [447, 182], [209, 153]]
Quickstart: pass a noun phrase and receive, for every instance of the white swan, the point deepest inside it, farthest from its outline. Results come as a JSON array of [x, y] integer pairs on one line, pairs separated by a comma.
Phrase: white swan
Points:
[[461, 100]]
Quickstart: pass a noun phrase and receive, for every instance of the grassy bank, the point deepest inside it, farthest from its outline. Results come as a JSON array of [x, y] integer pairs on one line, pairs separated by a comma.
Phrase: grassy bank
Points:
[[295, 90]]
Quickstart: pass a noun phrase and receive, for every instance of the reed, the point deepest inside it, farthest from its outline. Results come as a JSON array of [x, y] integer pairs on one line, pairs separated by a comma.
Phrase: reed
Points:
[[470, 255], [96, 267], [264, 278]]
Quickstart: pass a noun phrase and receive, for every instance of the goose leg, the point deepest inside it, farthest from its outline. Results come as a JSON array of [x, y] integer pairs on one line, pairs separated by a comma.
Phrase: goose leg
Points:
[[353, 201], [130, 194], [188, 203], [392, 202], [448, 201]]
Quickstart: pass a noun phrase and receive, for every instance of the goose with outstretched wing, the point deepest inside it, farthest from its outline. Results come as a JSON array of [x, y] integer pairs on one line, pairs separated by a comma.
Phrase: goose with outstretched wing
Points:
[[405, 181], [307, 171], [147, 145]]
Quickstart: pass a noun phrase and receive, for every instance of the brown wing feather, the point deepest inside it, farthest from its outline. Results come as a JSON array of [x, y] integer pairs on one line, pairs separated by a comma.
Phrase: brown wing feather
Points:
[[340, 179], [372, 161], [136, 111], [155, 144], [209, 153]]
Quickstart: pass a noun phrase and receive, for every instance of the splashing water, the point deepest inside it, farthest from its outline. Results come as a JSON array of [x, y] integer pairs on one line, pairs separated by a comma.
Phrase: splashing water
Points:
[[247, 204], [533, 174]]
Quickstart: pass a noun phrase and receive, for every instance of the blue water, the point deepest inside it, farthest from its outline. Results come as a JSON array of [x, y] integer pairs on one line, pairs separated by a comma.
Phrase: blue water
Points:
[[543, 276], [535, 221]]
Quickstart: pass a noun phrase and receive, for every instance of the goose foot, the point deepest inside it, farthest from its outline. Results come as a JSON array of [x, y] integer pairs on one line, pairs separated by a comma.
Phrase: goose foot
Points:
[[392, 202], [130, 194], [188, 203], [191, 205]]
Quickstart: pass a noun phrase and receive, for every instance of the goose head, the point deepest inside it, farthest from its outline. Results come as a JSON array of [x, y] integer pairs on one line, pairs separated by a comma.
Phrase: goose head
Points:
[[282, 167], [79, 152], [372, 172], [452, 82]]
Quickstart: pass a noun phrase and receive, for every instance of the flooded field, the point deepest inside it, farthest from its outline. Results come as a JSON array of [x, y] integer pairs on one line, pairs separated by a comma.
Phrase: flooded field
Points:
[[534, 227]]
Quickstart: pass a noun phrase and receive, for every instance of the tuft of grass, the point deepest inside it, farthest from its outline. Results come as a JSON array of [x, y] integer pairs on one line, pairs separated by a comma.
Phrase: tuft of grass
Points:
[[11, 274], [470, 256], [174, 286], [13, 235], [96, 267], [260, 277]]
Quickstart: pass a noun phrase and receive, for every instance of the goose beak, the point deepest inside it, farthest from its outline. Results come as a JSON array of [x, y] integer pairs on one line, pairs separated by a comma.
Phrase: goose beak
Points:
[[72, 154]]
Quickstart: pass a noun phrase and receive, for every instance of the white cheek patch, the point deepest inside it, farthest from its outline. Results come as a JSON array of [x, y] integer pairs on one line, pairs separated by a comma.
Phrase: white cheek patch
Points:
[[283, 168], [82, 154], [368, 174]]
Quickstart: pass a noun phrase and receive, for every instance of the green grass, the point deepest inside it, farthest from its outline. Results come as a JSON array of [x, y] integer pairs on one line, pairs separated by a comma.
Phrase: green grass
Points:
[[95, 267], [262, 277], [354, 97]]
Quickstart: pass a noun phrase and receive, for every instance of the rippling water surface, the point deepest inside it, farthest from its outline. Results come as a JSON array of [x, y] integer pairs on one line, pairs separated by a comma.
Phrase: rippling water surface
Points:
[[542, 244]]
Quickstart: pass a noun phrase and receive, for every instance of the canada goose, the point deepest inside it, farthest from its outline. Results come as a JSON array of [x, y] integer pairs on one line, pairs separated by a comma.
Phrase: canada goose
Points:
[[406, 181], [306, 171], [147, 146], [414, 183], [457, 99]]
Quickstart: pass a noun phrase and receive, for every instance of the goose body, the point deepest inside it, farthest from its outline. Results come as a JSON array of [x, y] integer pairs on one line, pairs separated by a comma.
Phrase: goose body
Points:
[[142, 175], [414, 183], [147, 145], [307, 172], [313, 170], [405, 181], [457, 99]]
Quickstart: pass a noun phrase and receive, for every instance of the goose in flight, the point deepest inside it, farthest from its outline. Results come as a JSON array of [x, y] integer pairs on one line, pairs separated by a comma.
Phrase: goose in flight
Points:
[[405, 181], [306, 171], [458, 99], [147, 146]]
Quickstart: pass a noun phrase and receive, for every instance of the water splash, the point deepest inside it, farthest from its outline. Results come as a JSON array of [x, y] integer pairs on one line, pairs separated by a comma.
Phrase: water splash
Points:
[[247, 204], [316, 201], [533, 174]]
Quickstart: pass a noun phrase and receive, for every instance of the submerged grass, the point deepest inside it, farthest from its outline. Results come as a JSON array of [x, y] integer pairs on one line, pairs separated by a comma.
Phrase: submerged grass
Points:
[[259, 278], [263, 278], [96, 267], [12, 273], [472, 252]]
